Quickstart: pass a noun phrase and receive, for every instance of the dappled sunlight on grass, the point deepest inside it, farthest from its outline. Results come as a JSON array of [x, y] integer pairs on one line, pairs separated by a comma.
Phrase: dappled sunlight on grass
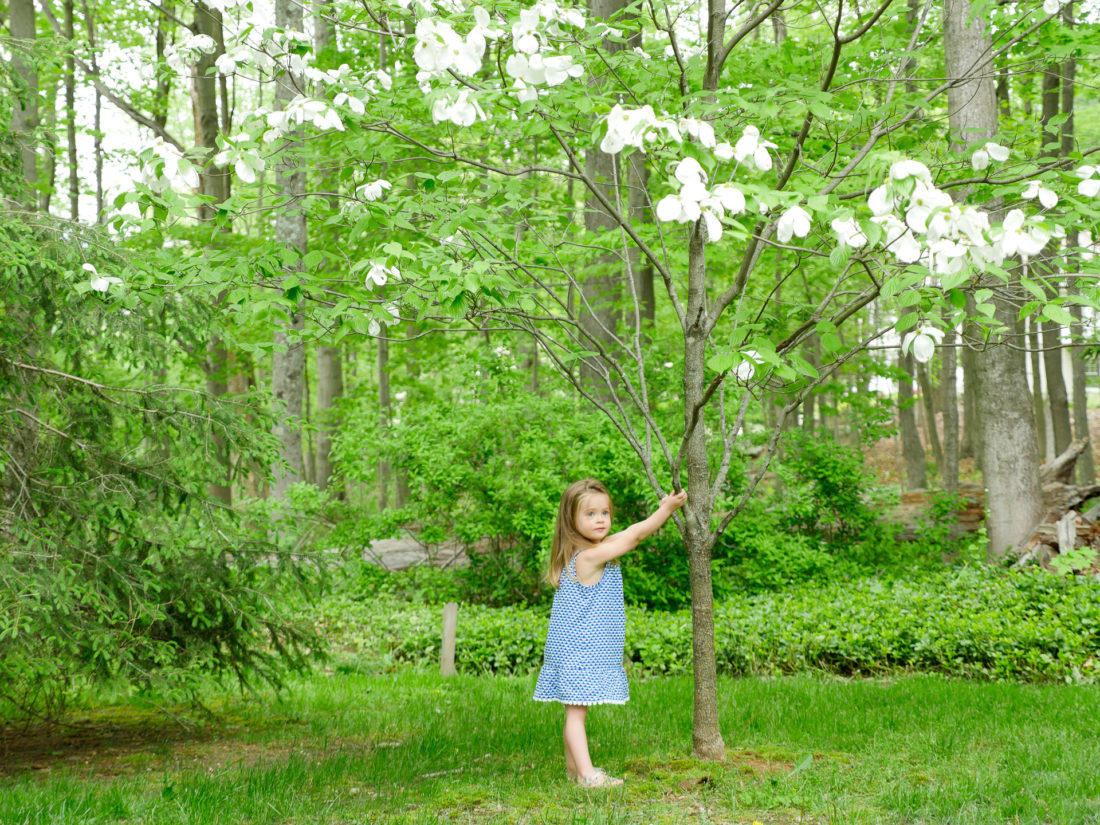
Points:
[[412, 747]]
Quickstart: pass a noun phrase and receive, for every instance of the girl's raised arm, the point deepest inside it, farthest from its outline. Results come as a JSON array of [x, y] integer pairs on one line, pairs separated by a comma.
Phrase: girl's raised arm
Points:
[[623, 542]]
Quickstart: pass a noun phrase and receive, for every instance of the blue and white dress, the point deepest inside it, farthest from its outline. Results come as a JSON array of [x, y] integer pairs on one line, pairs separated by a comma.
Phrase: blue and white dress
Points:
[[583, 658]]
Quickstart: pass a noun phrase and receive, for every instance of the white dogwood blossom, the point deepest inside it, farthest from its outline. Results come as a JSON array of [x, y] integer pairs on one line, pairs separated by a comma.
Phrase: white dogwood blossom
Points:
[[701, 130], [924, 199], [247, 162], [374, 190], [1047, 197], [379, 274], [922, 342], [165, 167], [1089, 186], [849, 232], [461, 110], [793, 222], [1016, 238], [99, 283], [906, 169], [900, 241], [747, 368], [752, 147], [980, 159]]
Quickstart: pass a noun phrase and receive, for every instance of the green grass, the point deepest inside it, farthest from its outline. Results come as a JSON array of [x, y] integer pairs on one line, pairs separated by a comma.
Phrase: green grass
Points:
[[411, 747]]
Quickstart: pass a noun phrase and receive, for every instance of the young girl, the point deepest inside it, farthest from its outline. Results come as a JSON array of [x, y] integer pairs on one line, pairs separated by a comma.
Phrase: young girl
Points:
[[583, 659]]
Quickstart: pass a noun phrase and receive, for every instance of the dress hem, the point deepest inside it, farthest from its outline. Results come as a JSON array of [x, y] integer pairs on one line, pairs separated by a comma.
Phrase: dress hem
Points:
[[580, 702]]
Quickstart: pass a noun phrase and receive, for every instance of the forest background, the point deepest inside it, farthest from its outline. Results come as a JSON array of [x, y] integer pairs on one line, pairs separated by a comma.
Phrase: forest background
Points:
[[355, 271]]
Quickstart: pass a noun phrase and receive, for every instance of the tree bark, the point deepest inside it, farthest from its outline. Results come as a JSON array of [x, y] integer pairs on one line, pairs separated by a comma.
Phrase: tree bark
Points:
[[1010, 458], [330, 388], [929, 401], [706, 734], [24, 119], [916, 477], [949, 392], [1038, 406], [640, 212], [1086, 467], [1056, 386], [603, 283], [70, 116], [385, 414], [89, 25], [288, 360], [47, 173], [969, 438]]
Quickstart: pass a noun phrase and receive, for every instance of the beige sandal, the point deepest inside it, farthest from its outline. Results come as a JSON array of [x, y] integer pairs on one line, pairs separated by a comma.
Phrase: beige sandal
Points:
[[599, 779]]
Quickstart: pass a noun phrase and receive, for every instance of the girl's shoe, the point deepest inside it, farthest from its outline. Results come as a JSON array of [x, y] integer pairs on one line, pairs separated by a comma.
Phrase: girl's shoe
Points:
[[599, 779]]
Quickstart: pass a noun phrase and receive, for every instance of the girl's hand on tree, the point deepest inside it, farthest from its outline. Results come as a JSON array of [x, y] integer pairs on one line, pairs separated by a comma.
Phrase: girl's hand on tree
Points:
[[672, 503]]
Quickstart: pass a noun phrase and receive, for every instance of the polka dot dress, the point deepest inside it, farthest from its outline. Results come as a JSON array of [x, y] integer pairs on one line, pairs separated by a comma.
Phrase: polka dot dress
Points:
[[583, 658]]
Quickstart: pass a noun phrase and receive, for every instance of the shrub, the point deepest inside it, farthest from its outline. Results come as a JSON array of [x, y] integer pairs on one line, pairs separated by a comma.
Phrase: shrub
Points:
[[490, 477], [972, 621]]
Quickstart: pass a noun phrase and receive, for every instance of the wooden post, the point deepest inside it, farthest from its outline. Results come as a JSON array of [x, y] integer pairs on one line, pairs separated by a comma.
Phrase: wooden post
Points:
[[447, 650]]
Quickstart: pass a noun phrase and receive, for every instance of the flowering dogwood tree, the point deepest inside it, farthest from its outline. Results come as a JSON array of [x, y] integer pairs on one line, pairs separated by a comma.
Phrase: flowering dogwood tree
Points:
[[741, 146]]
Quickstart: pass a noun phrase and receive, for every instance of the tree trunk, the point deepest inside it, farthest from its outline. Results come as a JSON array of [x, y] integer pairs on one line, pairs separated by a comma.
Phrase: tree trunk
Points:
[[1086, 467], [915, 475], [603, 282], [97, 131], [1038, 406], [24, 119], [330, 388], [1056, 386], [968, 444], [1010, 458], [288, 360], [640, 212], [706, 734], [70, 117], [929, 402], [948, 390], [216, 386], [385, 414], [47, 174]]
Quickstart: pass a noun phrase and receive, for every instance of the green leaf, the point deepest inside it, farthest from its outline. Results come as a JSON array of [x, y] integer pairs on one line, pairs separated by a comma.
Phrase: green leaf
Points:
[[1058, 314], [722, 361], [907, 321]]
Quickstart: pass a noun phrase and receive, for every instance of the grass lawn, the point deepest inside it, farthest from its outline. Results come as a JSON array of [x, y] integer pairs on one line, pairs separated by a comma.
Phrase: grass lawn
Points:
[[345, 747]]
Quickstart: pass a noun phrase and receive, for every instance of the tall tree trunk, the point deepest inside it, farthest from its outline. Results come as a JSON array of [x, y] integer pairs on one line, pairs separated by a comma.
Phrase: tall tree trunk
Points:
[[916, 477], [97, 118], [949, 396], [1056, 386], [24, 119], [1086, 467], [969, 439], [929, 401], [70, 116], [330, 388], [603, 283], [1010, 458], [1038, 405], [47, 174], [288, 360], [641, 269], [385, 415], [706, 734], [214, 183]]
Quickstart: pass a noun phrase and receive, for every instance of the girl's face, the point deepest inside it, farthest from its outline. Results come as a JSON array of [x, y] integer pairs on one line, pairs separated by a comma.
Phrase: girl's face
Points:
[[594, 517]]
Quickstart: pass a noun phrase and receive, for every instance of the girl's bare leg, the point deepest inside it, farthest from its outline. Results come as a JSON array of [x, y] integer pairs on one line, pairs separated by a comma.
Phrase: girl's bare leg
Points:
[[577, 761]]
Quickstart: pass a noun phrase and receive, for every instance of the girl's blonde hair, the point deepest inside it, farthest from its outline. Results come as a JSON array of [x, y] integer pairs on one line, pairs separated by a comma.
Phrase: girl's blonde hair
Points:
[[566, 535]]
